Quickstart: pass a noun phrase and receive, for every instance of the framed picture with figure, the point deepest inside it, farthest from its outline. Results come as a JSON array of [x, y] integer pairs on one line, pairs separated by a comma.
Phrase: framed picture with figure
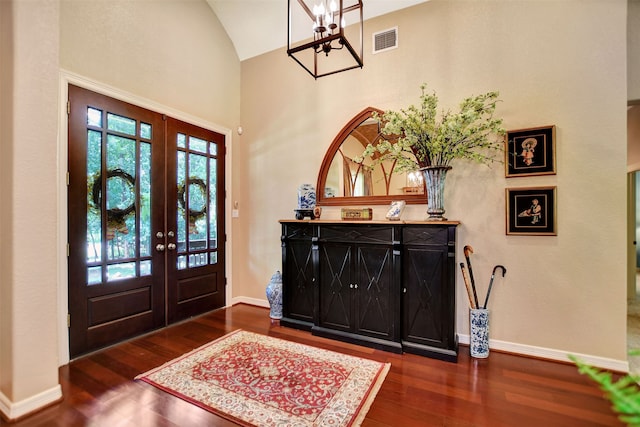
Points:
[[531, 211], [530, 152]]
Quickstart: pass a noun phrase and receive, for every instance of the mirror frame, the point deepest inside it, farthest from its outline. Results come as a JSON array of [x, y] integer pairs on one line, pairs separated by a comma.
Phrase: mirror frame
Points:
[[321, 200]]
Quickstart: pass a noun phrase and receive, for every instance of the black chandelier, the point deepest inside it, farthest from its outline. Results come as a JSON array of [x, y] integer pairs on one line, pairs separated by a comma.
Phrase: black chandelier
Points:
[[319, 33]]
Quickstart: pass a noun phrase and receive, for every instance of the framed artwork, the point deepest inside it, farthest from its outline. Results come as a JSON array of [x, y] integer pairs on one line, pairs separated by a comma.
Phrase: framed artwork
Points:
[[531, 211], [530, 152]]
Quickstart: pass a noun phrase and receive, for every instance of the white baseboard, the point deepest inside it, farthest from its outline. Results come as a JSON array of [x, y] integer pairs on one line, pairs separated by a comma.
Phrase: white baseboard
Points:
[[552, 354], [510, 347], [251, 301], [14, 410]]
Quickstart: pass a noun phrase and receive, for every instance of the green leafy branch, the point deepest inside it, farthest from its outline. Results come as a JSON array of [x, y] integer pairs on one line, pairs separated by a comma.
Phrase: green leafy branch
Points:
[[416, 138], [624, 393]]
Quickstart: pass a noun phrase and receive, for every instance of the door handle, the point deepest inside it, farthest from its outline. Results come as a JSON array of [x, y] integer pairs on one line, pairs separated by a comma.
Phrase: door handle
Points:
[[160, 247], [171, 246]]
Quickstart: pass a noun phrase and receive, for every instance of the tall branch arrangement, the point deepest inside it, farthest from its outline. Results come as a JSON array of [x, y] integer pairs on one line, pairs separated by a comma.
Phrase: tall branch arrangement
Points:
[[417, 138]]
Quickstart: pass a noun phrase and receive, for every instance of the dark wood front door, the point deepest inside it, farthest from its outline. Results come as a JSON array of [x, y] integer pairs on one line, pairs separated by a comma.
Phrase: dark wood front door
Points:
[[195, 166], [146, 220]]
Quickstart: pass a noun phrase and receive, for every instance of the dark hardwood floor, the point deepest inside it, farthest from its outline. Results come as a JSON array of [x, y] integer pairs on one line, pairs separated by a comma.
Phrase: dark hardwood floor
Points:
[[503, 390]]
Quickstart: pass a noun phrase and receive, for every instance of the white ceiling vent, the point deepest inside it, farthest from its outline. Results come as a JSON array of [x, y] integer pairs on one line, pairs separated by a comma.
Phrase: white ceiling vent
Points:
[[385, 40]]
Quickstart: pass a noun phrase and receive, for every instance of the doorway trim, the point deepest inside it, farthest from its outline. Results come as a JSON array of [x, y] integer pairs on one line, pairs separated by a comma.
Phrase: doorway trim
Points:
[[632, 170], [66, 78]]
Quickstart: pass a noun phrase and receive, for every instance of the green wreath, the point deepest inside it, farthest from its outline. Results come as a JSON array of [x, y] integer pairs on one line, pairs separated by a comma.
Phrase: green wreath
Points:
[[194, 214], [115, 216]]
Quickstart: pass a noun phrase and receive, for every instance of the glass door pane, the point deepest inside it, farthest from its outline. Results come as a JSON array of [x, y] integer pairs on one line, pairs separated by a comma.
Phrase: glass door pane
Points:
[[197, 202], [118, 225]]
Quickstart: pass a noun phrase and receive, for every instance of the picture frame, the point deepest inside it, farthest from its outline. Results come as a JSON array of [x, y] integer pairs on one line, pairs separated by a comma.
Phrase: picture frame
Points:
[[531, 211], [530, 152]]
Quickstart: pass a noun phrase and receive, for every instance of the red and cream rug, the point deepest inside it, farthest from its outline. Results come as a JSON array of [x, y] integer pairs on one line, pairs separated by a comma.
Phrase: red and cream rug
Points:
[[258, 380]]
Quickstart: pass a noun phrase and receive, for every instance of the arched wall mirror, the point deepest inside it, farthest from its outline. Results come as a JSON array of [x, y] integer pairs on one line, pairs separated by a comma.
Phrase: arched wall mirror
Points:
[[344, 181]]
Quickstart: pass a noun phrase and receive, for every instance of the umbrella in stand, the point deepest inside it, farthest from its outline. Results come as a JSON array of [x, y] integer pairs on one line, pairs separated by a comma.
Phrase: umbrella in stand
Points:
[[493, 274]]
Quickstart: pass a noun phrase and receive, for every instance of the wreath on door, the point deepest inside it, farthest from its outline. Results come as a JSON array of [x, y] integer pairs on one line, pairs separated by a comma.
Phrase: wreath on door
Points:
[[116, 216], [193, 214]]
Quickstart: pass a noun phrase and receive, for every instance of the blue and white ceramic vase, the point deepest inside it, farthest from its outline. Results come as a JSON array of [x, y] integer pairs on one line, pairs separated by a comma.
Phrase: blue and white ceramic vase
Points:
[[329, 192], [306, 196], [479, 332], [274, 296]]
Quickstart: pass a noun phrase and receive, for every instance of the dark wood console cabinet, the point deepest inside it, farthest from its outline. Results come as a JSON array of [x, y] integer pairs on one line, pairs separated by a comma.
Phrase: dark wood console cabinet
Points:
[[387, 285]]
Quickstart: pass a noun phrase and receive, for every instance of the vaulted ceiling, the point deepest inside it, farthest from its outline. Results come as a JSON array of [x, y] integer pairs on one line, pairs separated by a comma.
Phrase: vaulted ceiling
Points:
[[259, 26]]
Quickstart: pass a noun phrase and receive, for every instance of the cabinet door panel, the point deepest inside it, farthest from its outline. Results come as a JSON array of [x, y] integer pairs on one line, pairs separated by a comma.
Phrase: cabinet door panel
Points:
[[335, 291], [298, 294], [376, 292], [357, 234], [421, 236], [425, 305]]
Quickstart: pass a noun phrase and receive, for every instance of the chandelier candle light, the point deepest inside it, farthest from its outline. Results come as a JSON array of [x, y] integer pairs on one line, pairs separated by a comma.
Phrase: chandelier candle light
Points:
[[318, 38]]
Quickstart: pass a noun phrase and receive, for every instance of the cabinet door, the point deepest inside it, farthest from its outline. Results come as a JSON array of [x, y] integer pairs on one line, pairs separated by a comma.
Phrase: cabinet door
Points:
[[298, 278], [429, 291], [336, 290], [376, 294]]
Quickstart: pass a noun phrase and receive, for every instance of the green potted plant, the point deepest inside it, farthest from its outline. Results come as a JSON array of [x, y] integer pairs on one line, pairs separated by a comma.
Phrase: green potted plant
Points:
[[623, 393], [417, 139]]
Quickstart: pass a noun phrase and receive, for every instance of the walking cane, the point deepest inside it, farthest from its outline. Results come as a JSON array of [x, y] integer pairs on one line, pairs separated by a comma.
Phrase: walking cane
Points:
[[467, 250], [466, 284], [504, 271]]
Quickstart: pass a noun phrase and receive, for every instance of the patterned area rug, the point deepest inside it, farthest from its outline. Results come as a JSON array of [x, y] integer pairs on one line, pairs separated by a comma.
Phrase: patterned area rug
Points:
[[258, 380]]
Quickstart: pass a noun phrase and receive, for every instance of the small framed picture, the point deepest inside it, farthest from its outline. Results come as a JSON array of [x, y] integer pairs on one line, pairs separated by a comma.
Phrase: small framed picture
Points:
[[530, 152], [395, 210], [531, 211]]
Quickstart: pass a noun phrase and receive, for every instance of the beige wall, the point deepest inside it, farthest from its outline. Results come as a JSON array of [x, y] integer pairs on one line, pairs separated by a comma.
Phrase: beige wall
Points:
[[166, 53], [28, 257], [6, 130], [174, 53], [633, 49], [564, 293]]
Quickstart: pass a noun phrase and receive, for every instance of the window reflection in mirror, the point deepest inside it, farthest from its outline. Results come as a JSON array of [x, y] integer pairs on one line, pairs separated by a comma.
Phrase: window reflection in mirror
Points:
[[346, 181]]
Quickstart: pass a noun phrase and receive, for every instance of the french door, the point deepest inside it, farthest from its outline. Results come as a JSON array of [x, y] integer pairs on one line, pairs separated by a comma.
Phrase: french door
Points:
[[146, 220]]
